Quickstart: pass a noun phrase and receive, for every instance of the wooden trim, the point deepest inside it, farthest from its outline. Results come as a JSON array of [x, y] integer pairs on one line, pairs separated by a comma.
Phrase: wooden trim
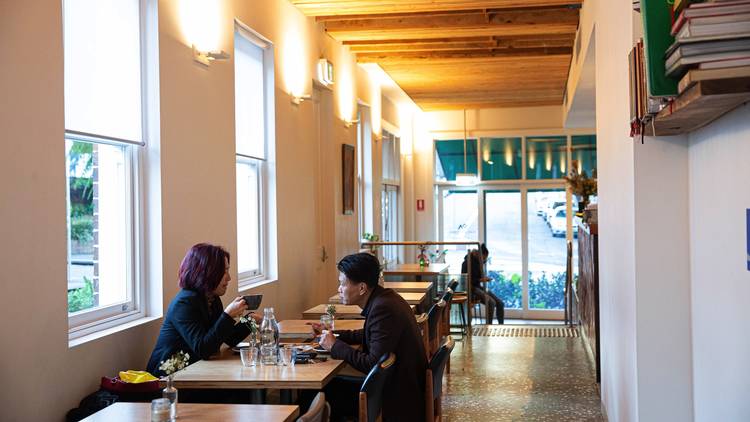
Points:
[[349, 7]]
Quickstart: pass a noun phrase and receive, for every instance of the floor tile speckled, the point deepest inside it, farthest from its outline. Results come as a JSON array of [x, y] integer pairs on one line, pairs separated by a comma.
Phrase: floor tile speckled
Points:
[[520, 379]]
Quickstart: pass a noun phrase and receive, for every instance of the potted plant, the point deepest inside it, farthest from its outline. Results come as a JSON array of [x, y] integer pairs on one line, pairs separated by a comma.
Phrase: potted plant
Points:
[[581, 185]]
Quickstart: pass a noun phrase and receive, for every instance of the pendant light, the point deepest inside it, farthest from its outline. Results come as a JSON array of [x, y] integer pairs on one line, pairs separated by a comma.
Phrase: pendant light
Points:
[[466, 178]]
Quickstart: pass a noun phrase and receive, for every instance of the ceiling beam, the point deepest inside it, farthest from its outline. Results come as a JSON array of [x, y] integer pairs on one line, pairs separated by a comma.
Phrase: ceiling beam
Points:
[[428, 56], [465, 43], [366, 7], [504, 23]]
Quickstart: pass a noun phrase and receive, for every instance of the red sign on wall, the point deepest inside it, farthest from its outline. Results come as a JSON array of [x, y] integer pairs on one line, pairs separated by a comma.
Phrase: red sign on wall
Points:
[[420, 204]]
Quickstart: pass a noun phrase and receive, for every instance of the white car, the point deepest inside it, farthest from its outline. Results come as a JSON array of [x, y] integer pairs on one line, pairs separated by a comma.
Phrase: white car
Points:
[[558, 223], [551, 211]]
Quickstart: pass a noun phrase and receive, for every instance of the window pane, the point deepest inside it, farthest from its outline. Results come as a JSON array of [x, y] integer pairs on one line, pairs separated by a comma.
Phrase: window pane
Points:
[[248, 218], [390, 221], [501, 158], [546, 157], [391, 157], [547, 248], [460, 224], [503, 234], [99, 223], [250, 126], [584, 153], [103, 67], [450, 158]]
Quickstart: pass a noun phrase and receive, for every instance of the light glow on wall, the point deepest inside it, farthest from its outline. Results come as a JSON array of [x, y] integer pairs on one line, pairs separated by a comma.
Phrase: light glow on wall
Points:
[[201, 23], [345, 87], [508, 152], [406, 120], [532, 158], [548, 158], [293, 66]]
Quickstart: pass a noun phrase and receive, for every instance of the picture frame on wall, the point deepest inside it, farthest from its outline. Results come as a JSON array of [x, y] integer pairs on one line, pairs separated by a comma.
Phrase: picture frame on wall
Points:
[[347, 158]]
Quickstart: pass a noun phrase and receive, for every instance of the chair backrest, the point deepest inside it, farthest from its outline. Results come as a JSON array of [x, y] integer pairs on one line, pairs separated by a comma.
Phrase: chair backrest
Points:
[[371, 393], [433, 317], [437, 366], [453, 284], [319, 410], [424, 329]]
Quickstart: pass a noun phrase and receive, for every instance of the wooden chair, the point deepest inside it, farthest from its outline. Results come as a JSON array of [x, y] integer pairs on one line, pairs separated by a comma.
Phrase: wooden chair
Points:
[[424, 329], [434, 381], [320, 410], [445, 322], [371, 393], [434, 323]]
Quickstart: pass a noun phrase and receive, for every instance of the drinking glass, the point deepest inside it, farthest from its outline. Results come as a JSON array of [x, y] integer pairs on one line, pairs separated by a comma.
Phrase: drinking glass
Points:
[[287, 355], [249, 356], [326, 321]]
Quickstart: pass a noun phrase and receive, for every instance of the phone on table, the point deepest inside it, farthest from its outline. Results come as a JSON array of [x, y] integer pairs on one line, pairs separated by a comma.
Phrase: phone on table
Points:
[[253, 301]]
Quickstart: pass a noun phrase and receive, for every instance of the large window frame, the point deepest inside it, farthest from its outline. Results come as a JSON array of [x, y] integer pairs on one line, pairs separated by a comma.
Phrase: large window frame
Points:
[[263, 166], [390, 188], [524, 186], [364, 171], [89, 321]]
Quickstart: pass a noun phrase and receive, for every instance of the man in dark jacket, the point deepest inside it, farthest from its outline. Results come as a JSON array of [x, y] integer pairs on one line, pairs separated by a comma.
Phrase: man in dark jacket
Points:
[[390, 326]]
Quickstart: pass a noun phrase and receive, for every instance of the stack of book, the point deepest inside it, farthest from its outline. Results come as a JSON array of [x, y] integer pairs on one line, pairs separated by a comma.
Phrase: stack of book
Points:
[[712, 41]]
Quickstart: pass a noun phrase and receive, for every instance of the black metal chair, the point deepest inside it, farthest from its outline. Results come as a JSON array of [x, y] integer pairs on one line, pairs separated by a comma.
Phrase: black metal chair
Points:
[[434, 381], [371, 393], [434, 321]]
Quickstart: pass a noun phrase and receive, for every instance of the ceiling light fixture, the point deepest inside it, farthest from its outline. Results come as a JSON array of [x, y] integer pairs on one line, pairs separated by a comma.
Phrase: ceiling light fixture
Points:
[[206, 57], [465, 178]]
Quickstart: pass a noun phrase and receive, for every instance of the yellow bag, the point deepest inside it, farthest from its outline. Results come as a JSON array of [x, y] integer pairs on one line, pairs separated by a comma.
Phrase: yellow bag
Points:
[[136, 377]]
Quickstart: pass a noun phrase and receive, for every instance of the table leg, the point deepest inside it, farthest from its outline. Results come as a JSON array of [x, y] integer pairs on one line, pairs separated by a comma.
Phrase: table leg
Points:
[[285, 396], [258, 396]]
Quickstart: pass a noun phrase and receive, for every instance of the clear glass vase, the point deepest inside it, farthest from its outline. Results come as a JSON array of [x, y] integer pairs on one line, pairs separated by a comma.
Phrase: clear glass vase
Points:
[[170, 392]]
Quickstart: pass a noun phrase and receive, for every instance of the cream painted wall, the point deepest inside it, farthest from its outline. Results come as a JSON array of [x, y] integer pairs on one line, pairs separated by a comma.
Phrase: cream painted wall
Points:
[[720, 281], [197, 186]]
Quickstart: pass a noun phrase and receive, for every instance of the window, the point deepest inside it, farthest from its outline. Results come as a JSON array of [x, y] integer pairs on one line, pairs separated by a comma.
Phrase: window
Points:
[[546, 157], [584, 153], [364, 171], [501, 158], [253, 70], [452, 158], [104, 140], [389, 194]]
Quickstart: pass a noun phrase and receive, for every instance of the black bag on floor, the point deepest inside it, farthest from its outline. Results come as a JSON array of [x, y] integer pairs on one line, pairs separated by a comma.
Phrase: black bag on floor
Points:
[[91, 404]]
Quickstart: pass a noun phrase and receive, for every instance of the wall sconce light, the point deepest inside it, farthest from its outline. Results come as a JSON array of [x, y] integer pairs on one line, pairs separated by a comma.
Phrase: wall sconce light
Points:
[[297, 99], [206, 57], [349, 123], [325, 72]]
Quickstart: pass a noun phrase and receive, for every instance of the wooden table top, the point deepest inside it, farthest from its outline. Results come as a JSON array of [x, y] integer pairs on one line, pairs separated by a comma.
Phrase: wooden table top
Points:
[[409, 297], [342, 312], [408, 286], [415, 269], [126, 412], [225, 370], [300, 328]]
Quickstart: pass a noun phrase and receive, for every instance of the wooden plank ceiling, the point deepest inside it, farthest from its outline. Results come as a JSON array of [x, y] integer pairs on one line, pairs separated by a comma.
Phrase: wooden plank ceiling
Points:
[[460, 54]]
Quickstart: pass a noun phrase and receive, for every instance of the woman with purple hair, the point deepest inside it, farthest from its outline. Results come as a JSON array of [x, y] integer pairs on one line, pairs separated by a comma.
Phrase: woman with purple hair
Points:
[[195, 322]]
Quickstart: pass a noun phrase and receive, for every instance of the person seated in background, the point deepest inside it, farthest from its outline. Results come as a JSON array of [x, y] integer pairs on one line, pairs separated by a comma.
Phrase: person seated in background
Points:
[[390, 326], [491, 302], [195, 322]]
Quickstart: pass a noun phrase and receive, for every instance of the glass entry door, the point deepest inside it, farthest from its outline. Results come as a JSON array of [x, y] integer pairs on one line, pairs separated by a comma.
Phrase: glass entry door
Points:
[[525, 229]]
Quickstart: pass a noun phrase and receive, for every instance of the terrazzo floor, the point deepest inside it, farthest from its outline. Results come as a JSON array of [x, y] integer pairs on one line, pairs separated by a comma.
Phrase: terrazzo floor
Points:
[[520, 379]]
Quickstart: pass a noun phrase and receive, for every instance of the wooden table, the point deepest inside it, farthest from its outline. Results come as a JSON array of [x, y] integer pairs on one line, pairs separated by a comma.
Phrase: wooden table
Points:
[[342, 312], [409, 286], [410, 298], [127, 412], [226, 371], [300, 328], [417, 271]]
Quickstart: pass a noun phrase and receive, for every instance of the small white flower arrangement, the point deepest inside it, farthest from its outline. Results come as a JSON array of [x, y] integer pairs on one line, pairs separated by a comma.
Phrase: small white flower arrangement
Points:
[[178, 361], [250, 322]]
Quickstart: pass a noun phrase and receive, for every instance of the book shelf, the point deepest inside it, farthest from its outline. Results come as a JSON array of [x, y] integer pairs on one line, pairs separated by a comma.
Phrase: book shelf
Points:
[[700, 105]]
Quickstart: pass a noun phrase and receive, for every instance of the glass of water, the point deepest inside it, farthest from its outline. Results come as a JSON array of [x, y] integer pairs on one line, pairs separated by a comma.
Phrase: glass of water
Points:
[[287, 355], [249, 356], [327, 322]]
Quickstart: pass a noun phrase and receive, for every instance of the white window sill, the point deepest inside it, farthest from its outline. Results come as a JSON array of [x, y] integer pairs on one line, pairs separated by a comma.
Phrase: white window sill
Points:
[[244, 288], [109, 331]]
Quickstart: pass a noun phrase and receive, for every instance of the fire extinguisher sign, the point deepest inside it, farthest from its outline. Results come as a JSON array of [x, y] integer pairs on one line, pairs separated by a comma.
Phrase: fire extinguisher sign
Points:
[[420, 204]]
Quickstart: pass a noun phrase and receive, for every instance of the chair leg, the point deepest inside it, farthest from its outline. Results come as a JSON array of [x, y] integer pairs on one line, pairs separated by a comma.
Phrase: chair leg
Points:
[[463, 319]]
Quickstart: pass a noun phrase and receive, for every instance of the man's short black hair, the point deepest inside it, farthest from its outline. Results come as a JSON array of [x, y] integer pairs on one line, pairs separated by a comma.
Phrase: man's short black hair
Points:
[[361, 268], [484, 250]]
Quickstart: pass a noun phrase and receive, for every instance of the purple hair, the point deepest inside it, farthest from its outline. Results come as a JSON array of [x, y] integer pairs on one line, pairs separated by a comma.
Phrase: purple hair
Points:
[[202, 268]]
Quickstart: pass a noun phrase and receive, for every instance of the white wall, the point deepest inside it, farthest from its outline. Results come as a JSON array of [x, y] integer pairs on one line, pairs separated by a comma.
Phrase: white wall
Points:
[[720, 281]]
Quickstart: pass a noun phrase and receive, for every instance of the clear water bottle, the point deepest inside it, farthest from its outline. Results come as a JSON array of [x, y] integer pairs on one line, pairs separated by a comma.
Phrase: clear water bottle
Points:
[[275, 327], [170, 393], [268, 338]]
